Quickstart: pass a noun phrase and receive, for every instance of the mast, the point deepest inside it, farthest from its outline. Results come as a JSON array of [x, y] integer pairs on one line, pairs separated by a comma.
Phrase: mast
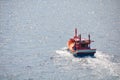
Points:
[[80, 39], [75, 32], [89, 39]]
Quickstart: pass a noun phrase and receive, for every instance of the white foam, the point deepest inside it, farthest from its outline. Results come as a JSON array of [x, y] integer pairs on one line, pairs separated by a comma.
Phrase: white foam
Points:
[[100, 62], [63, 52]]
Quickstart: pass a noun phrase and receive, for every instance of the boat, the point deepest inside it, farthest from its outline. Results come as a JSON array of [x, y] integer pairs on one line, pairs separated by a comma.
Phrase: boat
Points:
[[80, 47]]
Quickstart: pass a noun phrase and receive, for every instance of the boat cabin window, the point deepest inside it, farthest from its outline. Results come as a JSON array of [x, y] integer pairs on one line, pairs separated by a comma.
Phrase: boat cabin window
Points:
[[77, 41], [83, 45]]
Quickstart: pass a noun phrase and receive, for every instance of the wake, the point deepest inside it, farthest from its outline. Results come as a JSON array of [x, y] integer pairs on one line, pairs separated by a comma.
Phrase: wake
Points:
[[101, 62]]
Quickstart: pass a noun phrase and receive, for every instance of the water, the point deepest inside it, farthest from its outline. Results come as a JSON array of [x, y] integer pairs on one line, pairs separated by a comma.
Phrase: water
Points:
[[33, 37]]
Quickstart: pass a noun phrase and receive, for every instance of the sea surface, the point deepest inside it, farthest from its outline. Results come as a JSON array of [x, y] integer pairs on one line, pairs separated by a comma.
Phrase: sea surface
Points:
[[34, 34]]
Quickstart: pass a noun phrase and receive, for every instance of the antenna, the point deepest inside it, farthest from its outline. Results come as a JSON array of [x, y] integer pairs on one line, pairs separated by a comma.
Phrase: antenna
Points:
[[75, 32], [89, 37], [79, 36]]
